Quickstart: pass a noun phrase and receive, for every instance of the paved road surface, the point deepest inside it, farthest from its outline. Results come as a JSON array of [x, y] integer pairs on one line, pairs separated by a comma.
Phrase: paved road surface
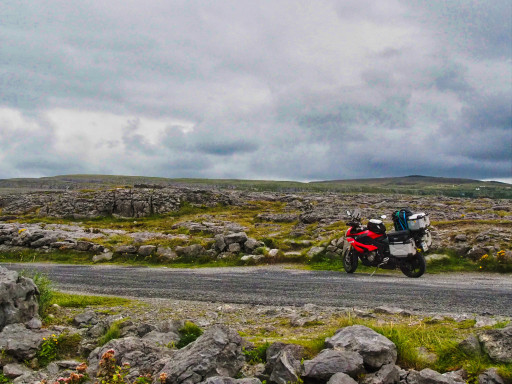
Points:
[[472, 293]]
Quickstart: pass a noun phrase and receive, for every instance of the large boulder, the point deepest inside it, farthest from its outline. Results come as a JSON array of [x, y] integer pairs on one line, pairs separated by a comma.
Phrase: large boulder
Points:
[[20, 342], [375, 349], [328, 362], [18, 298], [142, 355], [218, 352], [497, 343]]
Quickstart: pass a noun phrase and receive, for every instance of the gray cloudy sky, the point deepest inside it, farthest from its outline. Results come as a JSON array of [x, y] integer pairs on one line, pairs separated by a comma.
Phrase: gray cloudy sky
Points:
[[298, 90]]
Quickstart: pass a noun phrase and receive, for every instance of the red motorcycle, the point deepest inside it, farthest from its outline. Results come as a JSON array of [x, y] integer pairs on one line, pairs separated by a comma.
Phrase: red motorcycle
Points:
[[401, 249]]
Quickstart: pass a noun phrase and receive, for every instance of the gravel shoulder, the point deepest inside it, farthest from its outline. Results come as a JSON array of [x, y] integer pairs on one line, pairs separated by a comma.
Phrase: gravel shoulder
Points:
[[277, 285]]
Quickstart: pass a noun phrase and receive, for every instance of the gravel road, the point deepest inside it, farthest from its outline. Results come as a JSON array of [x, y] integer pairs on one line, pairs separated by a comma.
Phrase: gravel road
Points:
[[472, 293]]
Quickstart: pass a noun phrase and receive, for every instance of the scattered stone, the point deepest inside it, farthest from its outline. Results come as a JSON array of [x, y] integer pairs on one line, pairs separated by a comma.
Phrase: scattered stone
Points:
[[428, 376], [85, 319], [375, 349], [106, 256], [20, 342], [146, 250], [329, 361], [490, 376], [234, 248], [15, 370], [284, 362], [387, 374], [218, 351], [461, 237], [166, 253], [497, 343], [239, 237], [34, 323], [315, 251], [230, 380], [130, 249], [470, 346], [273, 252], [392, 311], [459, 376], [341, 378]]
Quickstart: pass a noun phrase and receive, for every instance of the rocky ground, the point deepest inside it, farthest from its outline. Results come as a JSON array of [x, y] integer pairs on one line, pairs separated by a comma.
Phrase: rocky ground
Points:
[[225, 224], [149, 333]]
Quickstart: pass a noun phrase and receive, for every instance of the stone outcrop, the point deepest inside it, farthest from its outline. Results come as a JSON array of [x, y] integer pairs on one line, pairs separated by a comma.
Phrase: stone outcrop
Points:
[[122, 202], [18, 298]]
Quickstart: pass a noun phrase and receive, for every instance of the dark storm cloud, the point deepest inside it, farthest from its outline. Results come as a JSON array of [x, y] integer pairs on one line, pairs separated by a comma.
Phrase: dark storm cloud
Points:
[[286, 89]]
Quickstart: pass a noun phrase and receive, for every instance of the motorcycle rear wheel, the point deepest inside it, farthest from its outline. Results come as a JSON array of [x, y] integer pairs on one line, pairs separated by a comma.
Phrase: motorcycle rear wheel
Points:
[[350, 260], [414, 267]]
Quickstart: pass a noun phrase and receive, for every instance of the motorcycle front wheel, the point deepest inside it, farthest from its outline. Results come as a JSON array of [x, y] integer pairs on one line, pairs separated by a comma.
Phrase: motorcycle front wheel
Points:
[[414, 266], [350, 260]]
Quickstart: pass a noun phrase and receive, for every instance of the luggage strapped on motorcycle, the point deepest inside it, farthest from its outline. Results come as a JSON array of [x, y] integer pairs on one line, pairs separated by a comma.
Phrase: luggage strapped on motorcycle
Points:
[[400, 219]]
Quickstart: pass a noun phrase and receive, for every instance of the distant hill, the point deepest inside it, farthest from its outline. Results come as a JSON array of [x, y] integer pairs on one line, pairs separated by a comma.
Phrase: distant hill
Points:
[[414, 184]]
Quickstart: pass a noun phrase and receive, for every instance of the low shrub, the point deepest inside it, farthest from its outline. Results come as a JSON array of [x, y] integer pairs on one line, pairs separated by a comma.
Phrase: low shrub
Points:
[[188, 333]]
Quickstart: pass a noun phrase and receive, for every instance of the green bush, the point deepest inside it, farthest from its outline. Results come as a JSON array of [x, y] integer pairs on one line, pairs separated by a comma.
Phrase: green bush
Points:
[[257, 354], [3, 379], [45, 288], [188, 333]]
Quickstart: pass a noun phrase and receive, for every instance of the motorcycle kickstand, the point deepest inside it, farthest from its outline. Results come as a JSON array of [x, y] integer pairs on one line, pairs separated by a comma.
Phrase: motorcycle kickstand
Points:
[[383, 262]]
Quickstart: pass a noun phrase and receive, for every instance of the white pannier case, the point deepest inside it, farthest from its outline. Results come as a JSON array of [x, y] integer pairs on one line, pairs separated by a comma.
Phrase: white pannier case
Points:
[[403, 249], [426, 241], [418, 221]]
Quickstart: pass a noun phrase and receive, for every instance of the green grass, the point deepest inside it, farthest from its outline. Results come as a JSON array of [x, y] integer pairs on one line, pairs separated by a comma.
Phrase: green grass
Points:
[[188, 333], [82, 301], [113, 332], [408, 334]]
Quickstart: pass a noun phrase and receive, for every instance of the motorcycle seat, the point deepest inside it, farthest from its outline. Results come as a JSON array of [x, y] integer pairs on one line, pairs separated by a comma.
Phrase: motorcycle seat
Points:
[[399, 236]]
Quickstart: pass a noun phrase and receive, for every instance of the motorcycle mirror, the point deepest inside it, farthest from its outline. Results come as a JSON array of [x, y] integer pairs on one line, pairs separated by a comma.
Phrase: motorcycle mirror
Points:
[[383, 216]]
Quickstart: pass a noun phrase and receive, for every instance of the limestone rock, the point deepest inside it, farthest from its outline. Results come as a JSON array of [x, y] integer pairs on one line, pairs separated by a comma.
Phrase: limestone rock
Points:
[[15, 370], [166, 253], [328, 362], [387, 374], [20, 342], [315, 251], [428, 376], [18, 298], [230, 380], [140, 354], [471, 346], [497, 343], [85, 318], [131, 249], [238, 237], [375, 349], [218, 352], [341, 378], [146, 250], [284, 362], [106, 256], [490, 376]]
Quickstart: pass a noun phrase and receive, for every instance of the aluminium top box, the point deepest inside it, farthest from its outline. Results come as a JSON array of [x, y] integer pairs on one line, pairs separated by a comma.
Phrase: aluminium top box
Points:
[[418, 221]]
